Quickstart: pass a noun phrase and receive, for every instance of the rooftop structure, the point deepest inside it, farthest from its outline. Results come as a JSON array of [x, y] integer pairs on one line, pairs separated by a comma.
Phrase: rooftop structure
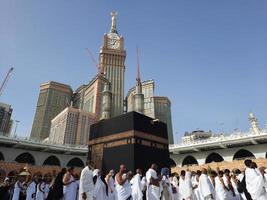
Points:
[[199, 147]]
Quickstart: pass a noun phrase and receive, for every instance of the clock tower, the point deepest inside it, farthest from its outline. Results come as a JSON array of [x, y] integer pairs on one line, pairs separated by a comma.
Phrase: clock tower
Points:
[[111, 62]]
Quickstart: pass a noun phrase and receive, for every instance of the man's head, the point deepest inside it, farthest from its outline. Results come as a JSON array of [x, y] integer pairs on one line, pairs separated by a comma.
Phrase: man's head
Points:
[[183, 173], [227, 172], [213, 173], [165, 171], [139, 171], [123, 168], [254, 165], [220, 173], [204, 171], [111, 172], [71, 170], [6, 181], [63, 170], [198, 172], [236, 172], [89, 164], [35, 178], [154, 166], [248, 163]]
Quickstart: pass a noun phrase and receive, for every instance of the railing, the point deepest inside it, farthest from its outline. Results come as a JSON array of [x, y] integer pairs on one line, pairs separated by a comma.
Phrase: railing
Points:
[[219, 139], [27, 140]]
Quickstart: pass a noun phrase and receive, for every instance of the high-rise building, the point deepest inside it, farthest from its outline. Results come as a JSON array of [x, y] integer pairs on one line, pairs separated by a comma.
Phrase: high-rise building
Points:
[[5, 119], [111, 61], [89, 97], [162, 107], [53, 98], [71, 126], [154, 106], [148, 92]]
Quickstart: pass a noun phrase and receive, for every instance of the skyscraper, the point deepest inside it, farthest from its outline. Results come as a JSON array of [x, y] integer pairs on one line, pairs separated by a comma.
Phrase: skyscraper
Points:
[[162, 107], [88, 97], [5, 119], [111, 61], [148, 91], [53, 98], [71, 126]]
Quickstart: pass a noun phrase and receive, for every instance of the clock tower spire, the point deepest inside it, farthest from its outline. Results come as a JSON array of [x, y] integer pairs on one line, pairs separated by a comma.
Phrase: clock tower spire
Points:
[[113, 28], [111, 60]]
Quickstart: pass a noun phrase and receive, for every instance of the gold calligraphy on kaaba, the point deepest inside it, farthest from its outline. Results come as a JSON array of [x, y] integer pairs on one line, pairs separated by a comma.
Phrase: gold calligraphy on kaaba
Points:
[[129, 134]]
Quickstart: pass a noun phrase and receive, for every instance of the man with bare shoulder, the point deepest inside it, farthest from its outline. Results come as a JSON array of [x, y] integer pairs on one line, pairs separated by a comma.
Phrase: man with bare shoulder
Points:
[[123, 185], [153, 181]]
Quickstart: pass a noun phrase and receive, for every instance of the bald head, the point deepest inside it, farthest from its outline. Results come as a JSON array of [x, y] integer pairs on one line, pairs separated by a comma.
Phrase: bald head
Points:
[[122, 168], [154, 166], [139, 171]]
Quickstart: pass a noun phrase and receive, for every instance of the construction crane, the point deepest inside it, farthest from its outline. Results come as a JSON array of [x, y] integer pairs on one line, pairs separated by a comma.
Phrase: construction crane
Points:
[[99, 68], [3, 85]]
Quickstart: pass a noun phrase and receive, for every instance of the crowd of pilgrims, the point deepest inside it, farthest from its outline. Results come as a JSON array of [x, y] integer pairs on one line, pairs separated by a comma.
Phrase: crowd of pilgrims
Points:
[[250, 183]]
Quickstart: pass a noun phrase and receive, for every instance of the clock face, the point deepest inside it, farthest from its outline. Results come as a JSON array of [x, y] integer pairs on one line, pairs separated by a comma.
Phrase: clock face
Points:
[[113, 41]]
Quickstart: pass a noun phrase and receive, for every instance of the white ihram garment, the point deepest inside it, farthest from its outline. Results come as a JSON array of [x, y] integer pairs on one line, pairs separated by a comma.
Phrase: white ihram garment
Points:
[[86, 184], [137, 187], [31, 189], [220, 191], [17, 189], [100, 192], [153, 192], [111, 184], [205, 186], [196, 192], [40, 191], [255, 184], [123, 191], [175, 196], [185, 187], [167, 188], [237, 194], [69, 190]]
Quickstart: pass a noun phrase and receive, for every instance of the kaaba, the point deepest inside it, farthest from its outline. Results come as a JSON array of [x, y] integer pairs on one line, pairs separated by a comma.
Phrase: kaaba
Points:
[[132, 139]]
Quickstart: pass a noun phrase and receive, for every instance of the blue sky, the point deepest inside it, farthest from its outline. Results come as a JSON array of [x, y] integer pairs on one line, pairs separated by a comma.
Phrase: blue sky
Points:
[[209, 57]]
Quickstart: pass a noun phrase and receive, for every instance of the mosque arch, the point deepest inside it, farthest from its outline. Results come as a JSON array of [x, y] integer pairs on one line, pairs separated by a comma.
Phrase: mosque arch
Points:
[[75, 162], [214, 157], [25, 158], [189, 160], [52, 161], [2, 156], [242, 154]]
